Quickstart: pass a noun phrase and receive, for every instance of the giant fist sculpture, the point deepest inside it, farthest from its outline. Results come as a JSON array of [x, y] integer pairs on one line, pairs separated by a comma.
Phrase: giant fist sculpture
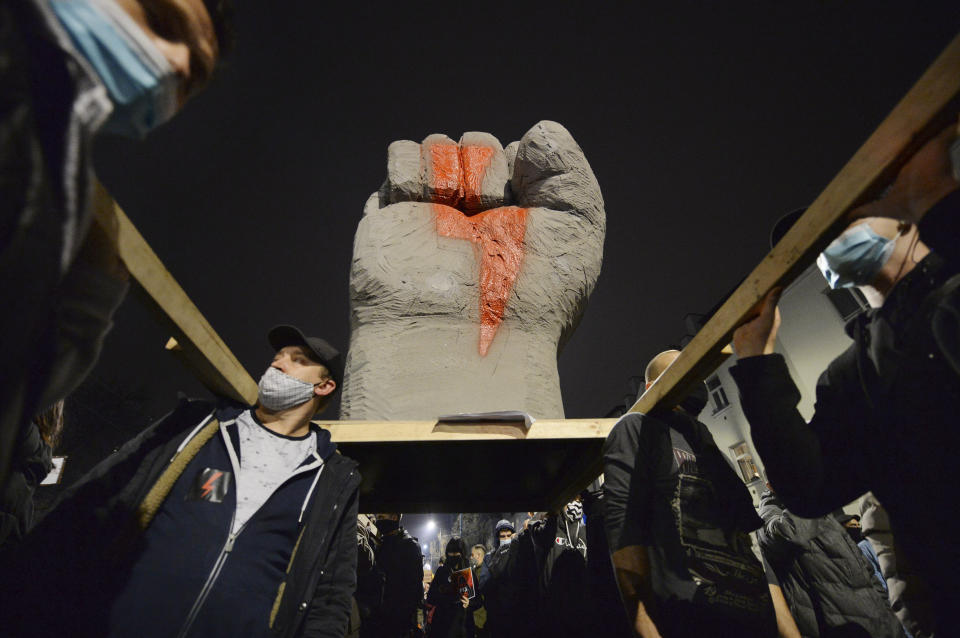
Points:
[[471, 267]]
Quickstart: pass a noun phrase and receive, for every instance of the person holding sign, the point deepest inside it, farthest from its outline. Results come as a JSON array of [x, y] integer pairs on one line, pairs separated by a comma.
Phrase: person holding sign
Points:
[[452, 593]]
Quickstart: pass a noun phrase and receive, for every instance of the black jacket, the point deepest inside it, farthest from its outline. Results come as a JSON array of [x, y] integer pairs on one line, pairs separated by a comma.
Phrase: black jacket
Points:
[[451, 619], [885, 416], [31, 463], [508, 580], [52, 105], [560, 551], [400, 560], [88, 543], [824, 576]]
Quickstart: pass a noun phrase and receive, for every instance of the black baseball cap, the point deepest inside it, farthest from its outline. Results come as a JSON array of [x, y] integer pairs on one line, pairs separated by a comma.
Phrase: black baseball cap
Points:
[[318, 349]]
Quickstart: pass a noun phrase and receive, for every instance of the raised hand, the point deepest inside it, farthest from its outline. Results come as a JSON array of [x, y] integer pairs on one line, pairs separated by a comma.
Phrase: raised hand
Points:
[[758, 335], [471, 267]]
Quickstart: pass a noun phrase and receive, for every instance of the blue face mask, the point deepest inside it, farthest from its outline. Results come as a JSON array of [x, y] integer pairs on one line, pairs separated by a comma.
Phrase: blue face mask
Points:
[[855, 257], [141, 83]]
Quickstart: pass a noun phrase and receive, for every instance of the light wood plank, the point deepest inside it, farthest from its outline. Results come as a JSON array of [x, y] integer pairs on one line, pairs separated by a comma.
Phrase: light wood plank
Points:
[[199, 347], [378, 432]]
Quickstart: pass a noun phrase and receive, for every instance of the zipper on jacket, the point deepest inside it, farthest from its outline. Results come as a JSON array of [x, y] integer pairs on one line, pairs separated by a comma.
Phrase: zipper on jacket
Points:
[[224, 551], [211, 580], [232, 536]]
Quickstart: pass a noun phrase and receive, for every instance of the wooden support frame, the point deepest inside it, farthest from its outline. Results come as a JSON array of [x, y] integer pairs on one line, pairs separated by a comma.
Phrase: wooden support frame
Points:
[[568, 451], [426, 466], [197, 344]]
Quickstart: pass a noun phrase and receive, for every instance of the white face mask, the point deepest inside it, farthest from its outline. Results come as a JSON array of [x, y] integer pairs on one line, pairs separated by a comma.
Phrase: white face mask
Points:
[[279, 391]]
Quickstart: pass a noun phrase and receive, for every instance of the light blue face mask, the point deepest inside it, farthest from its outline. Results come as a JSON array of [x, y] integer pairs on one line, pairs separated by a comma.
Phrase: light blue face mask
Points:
[[855, 257], [141, 83]]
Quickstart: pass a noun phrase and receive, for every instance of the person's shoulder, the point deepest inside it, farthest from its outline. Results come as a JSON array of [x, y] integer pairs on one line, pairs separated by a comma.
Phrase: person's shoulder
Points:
[[634, 425], [187, 414], [408, 542]]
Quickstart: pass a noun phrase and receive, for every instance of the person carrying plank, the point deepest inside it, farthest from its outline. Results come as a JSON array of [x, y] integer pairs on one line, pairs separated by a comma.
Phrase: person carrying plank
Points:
[[72, 70], [219, 520], [678, 521], [886, 410]]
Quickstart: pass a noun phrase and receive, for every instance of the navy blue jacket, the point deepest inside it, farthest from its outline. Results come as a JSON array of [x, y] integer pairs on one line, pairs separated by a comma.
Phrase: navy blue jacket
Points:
[[281, 578]]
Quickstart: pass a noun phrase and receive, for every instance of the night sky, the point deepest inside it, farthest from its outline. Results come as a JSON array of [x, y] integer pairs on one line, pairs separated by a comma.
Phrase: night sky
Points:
[[702, 123]]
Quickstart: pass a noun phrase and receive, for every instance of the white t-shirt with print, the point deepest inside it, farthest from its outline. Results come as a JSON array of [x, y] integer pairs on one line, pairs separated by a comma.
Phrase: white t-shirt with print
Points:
[[267, 459]]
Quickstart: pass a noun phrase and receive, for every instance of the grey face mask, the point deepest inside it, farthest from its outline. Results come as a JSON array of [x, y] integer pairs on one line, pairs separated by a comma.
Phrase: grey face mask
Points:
[[279, 391]]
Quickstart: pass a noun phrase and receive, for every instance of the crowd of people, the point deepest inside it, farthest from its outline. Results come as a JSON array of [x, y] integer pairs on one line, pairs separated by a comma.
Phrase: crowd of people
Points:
[[224, 519]]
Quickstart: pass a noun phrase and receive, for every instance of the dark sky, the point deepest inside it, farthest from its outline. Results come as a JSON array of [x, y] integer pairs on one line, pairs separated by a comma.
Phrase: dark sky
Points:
[[703, 124]]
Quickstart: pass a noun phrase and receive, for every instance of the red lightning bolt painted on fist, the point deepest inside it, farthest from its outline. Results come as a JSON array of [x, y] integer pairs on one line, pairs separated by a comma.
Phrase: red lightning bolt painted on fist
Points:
[[208, 486], [498, 233]]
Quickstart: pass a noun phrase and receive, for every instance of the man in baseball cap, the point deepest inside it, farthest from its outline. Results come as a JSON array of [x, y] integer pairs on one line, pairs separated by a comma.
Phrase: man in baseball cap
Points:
[[205, 510]]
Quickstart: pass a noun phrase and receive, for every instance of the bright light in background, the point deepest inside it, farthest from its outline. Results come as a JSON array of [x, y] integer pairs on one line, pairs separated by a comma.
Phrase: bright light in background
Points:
[[424, 547], [431, 525], [426, 567]]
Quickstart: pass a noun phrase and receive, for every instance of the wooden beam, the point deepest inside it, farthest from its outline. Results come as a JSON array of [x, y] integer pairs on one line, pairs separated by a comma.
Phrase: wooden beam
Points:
[[928, 107], [426, 466], [385, 432], [197, 344]]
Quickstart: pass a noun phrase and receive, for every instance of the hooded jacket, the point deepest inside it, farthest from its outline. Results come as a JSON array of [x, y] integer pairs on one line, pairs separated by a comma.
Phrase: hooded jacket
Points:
[[451, 619], [559, 547], [92, 543], [824, 576]]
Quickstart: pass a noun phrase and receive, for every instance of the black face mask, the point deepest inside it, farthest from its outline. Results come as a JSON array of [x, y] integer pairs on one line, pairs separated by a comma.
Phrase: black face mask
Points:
[[856, 535], [455, 563], [696, 400], [386, 526]]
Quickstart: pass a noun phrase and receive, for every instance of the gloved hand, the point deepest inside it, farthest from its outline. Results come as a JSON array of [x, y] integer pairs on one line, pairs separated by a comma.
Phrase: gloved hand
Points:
[[471, 267]]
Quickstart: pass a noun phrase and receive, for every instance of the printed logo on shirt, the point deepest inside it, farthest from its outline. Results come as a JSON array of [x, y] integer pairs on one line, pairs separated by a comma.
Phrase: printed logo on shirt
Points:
[[686, 462], [581, 546], [210, 485]]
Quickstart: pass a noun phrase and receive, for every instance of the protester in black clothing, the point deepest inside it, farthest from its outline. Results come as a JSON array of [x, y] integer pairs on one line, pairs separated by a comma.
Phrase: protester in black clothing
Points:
[[400, 559], [607, 617], [560, 605], [886, 408], [370, 581], [507, 580], [825, 578], [678, 520], [453, 617]]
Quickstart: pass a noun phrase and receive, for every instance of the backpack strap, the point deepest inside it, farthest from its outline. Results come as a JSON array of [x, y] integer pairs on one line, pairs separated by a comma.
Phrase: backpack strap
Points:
[[161, 489]]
